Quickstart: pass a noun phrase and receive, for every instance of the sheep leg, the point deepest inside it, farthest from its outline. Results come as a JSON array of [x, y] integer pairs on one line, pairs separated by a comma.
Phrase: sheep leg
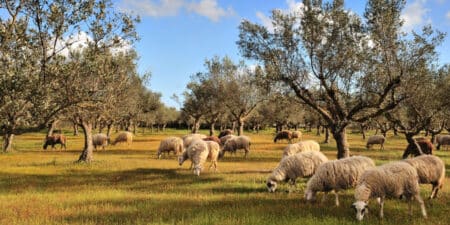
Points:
[[381, 207], [434, 191], [291, 185], [336, 198], [422, 205], [324, 197]]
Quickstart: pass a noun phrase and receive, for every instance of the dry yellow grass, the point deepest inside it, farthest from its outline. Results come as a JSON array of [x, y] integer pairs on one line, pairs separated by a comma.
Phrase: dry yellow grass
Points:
[[128, 185]]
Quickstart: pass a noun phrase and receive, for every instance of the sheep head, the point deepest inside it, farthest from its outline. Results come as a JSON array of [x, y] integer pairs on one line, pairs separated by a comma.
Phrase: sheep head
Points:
[[361, 208], [271, 186]]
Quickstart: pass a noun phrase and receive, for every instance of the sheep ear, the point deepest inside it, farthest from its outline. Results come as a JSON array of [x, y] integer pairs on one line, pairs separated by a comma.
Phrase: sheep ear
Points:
[[353, 206]]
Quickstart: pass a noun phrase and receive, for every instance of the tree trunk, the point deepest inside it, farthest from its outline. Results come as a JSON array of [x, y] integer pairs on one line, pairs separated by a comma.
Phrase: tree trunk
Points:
[[318, 130], [196, 125], [108, 130], [394, 128], [327, 136], [87, 154], [241, 126], [363, 131], [7, 141], [75, 129], [51, 127], [341, 142], [212, 129]]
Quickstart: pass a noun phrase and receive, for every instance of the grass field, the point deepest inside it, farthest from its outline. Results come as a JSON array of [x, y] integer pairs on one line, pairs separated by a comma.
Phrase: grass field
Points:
[[128, 185]]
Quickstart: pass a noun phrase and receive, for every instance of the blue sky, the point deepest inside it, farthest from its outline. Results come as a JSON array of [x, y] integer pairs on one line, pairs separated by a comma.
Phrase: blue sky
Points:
[[178, 35]]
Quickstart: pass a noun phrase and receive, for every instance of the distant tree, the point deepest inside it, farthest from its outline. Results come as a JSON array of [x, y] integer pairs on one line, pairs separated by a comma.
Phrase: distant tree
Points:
[[343, 69]]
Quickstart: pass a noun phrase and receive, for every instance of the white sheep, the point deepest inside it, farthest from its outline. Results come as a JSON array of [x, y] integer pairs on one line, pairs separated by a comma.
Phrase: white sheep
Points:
[[296, 134], [235, 143], [189, 138], [376, 140], [442, 140], [396, 179], [100, 140], [123, 137], [302, 164], [225, 138], [336, 175], [213, 153], [300, 146], [198, 153], [431, 170], [170, 144]]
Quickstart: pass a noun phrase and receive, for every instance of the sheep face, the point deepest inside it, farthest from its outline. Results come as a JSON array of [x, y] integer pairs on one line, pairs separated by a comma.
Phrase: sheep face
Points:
[[271, 186], [180, 160], [361, 209], [310, 195]]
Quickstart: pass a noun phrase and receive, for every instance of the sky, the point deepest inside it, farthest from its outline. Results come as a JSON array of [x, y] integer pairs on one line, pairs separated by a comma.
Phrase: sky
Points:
[[177, 36]]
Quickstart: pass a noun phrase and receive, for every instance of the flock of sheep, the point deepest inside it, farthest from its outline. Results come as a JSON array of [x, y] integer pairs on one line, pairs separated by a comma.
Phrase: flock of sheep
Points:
[[399, 179], [303, 159]]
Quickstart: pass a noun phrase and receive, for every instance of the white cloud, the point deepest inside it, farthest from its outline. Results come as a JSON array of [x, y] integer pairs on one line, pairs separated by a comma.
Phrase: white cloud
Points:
[[153, 8], [163, 8], [448, 15], [414, 14], [210, 9], [265, 20]]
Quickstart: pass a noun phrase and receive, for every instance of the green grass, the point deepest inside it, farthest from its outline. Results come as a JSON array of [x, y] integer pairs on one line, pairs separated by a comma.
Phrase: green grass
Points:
[[128, 185]]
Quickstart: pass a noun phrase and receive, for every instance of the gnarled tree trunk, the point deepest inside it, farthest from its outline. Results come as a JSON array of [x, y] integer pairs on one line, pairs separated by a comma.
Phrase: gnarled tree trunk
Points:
[[87, 154], [341, 142], [241, 126], [7, 141]]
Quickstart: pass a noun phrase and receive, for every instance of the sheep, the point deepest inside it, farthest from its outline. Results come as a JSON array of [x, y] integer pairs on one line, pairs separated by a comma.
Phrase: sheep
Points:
[[376, 139], [226, 138], [198, 153], [55, 139], [213, 153], [284, 134], [189, 138], [212, 138], [303, 164], [100, 140], [426, 147], [396, 179], [123, 137], [235, 143], [431, 170], [296, 135], [337, 175], [442, 140], [300, 146], [169, 144], [225, 133]]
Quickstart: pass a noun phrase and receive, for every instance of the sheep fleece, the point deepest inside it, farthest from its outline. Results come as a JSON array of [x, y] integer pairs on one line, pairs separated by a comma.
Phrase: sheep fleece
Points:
[[303, 164]]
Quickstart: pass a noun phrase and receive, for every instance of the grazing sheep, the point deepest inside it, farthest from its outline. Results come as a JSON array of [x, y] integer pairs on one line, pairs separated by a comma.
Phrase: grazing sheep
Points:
[[213, 138], [55, 139], [225, 133], [301, 146], [213, 153], [198, 153], [188, 139], [337, 175], [169, 144], [442, 140], [123, 137], [303, 164], [284, 134], [431, 170], [397, 179], [426, 147], [100, 140], [235, 143], [226, 138], [296, 134], [376, 140]]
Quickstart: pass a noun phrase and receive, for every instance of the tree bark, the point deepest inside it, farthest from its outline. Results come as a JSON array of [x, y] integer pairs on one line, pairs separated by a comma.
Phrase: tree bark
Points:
[[75, 129], [87, 154], [241, 126], [7, 141], [196, 125], [51, 127], [212, 129], [327, 136], [341, 142]]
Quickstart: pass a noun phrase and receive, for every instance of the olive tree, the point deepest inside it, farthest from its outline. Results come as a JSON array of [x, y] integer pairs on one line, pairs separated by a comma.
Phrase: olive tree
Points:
[[343, 67]]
